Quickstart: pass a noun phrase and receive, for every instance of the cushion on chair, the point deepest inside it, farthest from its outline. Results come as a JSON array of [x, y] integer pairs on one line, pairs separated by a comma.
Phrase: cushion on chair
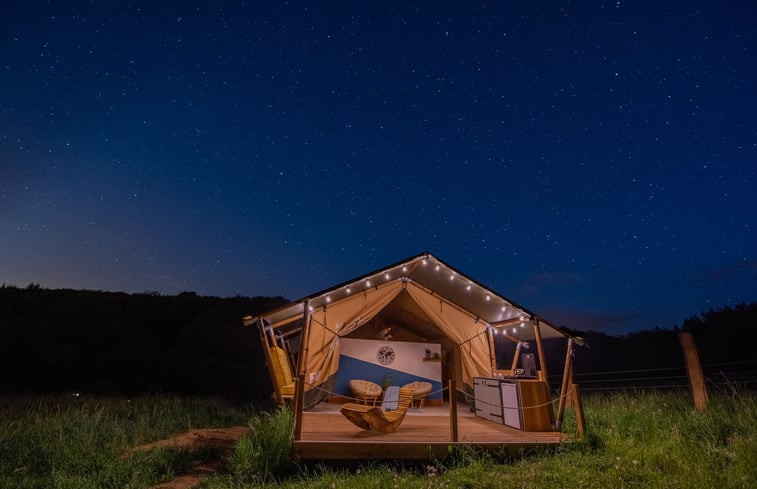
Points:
[[282, 371], [391, 398], [422, 389], [365, 388]]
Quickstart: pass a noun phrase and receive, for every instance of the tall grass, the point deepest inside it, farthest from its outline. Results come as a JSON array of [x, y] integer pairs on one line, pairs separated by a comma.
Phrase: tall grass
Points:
[[79, 442], [266, 452], [645, 440]]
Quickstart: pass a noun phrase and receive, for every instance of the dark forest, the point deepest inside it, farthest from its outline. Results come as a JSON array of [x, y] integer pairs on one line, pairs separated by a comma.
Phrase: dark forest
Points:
[[128, 344]]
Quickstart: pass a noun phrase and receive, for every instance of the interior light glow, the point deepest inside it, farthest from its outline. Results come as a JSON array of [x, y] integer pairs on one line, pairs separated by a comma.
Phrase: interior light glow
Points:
[[496, 331], [514, 330]]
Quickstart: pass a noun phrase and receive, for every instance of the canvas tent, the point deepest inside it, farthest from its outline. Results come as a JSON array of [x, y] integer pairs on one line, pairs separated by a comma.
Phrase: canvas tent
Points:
[[422, 299]]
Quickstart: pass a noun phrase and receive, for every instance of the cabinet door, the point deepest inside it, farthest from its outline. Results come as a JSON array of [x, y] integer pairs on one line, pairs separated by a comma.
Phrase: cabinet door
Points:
[[511, 405]]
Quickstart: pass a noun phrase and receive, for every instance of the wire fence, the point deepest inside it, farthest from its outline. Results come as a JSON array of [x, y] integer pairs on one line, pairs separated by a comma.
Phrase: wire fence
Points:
[[726, 377]]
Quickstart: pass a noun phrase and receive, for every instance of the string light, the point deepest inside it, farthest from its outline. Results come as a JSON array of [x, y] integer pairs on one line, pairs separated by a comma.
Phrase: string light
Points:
[[367, 283], [452, 277], [437, 268], [469, 286], [425, 261], [386, 275], [488, 297], [503, 308], [404, 268], [348, 290], [328, 299]]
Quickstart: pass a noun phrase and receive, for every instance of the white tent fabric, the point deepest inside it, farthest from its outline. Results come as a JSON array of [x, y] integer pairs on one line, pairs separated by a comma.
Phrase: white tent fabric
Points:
[[459, 307], [329, 322], [333, 321], [468, 332]]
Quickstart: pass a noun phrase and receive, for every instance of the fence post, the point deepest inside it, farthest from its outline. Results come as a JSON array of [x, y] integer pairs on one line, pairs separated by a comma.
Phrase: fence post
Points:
[[694, 369]]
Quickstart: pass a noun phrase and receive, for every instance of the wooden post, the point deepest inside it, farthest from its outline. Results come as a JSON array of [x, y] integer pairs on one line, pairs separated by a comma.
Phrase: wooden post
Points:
[[299, 394], [453, 410], [299, 402], [492, 352], [578, 408], [540, 349], [516, 357], [565, 380], [694, 369]]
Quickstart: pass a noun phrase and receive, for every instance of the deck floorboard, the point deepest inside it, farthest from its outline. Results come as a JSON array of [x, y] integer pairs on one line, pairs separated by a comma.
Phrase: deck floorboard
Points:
[[328, 434]]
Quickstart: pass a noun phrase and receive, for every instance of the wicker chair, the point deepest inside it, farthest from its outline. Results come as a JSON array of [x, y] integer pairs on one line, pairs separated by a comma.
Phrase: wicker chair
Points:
[[374, 418], [422, 389], [365, 391]]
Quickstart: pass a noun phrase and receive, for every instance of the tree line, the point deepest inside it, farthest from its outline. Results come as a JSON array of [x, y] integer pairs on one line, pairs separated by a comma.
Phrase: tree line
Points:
[[62, 340], [112, 342]]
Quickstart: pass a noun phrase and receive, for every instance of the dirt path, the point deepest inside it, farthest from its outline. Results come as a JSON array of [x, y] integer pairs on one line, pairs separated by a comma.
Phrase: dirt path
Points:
[[223, 439]]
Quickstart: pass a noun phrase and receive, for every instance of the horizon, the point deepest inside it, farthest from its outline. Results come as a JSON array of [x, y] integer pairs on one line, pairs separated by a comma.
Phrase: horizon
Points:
[[618, 334]]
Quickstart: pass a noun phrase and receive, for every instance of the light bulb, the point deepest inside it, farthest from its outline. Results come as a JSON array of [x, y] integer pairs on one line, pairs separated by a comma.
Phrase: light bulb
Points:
[[348, 290], [468, 287], [367, 283], [488, 297], [386, 276], [404, 268], [437, 268], [328, 299]]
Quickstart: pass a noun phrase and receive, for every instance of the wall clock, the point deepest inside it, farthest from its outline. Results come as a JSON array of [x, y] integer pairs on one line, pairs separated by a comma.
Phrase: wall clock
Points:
[[385, 355]]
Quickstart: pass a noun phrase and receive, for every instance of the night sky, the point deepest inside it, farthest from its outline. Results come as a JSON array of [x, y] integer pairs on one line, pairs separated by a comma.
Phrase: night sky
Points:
[[593, 161]]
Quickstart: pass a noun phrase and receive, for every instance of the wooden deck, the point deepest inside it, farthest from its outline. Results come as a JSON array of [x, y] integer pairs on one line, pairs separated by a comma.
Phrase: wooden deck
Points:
[[326, 434]]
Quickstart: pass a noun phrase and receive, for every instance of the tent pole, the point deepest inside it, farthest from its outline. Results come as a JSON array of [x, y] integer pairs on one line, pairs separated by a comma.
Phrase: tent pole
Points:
[[516, 357], [492, 352], [578, 408], [566, 375], [453, 410], [299, 399], [540, 350]]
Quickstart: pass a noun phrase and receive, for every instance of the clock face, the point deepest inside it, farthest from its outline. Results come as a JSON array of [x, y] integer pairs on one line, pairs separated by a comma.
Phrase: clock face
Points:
[[385, 355]]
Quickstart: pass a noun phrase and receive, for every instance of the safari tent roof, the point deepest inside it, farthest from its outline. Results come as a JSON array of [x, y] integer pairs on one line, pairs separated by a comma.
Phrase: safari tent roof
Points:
[[438, 279]]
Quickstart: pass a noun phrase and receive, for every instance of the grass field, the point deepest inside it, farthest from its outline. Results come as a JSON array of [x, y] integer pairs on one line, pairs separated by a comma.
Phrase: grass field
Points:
[[78, 442], [634, 441]]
